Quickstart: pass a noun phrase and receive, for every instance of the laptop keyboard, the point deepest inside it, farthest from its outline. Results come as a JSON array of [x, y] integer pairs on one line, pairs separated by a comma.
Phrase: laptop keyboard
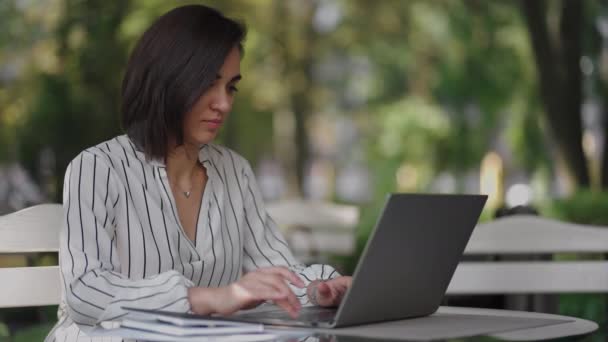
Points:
[[307, 314]]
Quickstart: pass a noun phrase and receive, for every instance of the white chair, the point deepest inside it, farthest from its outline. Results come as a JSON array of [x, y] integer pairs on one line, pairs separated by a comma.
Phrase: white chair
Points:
[[533, 235], [314, 228], [31, 230]]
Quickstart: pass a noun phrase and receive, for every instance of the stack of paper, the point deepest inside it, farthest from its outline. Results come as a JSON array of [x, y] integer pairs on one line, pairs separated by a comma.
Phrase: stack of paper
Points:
[[151, 326]]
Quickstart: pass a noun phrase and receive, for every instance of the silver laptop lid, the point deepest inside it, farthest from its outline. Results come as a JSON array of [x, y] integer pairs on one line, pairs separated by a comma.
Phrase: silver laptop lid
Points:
[[410, 257]]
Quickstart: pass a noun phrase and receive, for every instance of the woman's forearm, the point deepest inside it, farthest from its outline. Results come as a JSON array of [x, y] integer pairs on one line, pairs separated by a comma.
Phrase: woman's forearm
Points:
[[205, 300]]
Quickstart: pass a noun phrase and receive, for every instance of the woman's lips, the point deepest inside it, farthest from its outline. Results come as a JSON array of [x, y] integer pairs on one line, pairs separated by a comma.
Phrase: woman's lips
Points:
[[215, 124]]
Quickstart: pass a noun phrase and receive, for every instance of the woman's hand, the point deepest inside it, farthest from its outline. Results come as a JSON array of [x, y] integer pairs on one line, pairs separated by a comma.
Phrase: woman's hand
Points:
[[328, 293], [252, 289]]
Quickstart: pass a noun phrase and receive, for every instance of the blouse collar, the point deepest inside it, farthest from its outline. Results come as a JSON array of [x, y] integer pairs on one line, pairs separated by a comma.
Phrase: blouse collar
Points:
[[203, 155]]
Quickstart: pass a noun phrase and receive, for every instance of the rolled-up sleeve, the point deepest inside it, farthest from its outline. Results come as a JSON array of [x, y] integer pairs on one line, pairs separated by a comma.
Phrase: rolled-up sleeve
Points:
[[95, 288]]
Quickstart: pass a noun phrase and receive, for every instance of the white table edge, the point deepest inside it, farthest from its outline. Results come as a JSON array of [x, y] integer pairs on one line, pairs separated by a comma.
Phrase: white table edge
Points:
[[575, 326]]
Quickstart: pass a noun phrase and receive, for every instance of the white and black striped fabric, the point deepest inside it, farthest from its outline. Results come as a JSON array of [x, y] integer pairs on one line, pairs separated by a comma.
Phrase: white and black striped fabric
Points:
[[122, 243]]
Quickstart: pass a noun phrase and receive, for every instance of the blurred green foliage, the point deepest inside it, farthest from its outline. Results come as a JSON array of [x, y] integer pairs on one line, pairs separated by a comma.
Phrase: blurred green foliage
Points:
[[37, 333], [585, 207], [3, 330], [434, 77]]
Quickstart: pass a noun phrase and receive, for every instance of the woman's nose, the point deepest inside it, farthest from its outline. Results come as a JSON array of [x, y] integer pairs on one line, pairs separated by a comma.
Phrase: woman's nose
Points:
[[222, 101]]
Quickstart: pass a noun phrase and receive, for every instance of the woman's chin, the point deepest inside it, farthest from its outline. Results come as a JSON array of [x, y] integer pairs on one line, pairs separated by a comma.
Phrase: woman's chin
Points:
[[206, 137]]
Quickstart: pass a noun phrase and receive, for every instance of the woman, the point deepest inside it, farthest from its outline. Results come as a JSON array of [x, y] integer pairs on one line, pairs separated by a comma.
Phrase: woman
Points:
[[161, 218]]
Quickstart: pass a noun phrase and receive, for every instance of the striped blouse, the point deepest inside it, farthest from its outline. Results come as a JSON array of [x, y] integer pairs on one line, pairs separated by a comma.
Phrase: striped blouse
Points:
[[122, 243]]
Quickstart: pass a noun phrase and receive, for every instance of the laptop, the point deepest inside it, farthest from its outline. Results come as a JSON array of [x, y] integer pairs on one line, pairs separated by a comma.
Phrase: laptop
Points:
[[405, 268]]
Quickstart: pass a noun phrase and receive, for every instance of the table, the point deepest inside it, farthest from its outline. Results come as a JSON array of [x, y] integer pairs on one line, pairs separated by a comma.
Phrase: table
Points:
[[448, 323], [459, 319]]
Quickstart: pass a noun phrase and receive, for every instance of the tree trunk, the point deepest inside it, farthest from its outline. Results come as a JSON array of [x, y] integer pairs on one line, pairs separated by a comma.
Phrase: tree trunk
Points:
[[557, 59], [297, 52]]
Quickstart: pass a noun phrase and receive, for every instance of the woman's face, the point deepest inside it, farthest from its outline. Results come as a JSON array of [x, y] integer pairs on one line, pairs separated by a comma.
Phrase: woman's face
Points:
[[203, 122]]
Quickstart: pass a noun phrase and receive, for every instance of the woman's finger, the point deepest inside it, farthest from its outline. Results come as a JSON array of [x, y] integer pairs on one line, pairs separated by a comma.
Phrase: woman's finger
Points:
[[278, 282], [343, 281], [268, 293], [325, 294], [273, 287], [338, 287], [285, 273]]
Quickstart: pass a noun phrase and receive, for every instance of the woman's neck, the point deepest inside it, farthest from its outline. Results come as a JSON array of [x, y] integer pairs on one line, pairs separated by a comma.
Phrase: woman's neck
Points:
[[182, 164]]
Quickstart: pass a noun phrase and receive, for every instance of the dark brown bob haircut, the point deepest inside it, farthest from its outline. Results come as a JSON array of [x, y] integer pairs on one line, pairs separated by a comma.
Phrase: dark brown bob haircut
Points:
[[174, 62]]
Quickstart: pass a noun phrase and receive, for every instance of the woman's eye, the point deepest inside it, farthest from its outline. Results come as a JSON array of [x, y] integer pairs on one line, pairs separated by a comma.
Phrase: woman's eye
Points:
[[233, 89]]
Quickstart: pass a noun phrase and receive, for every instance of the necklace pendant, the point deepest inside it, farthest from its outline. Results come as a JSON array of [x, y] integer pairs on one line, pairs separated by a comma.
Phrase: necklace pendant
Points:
[[186, 193]]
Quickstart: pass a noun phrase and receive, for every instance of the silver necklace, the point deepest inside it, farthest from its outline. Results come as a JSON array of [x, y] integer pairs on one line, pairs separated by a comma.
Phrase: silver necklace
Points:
[[189, 192]]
